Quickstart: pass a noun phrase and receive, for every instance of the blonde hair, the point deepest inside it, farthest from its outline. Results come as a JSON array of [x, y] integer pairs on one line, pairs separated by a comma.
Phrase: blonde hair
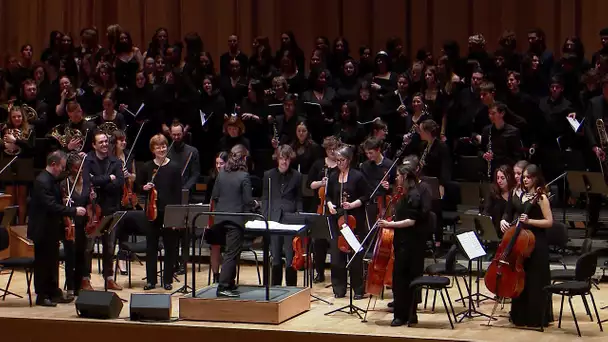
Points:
[[158, 140]]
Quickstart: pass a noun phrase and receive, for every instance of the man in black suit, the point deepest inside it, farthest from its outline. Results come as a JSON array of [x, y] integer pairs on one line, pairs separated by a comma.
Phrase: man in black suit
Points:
[[282, 193], [45, 227], [103, 173]]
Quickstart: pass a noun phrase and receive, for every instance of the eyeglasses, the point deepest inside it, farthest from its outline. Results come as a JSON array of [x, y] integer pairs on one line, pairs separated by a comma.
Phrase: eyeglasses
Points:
[[341, 160]]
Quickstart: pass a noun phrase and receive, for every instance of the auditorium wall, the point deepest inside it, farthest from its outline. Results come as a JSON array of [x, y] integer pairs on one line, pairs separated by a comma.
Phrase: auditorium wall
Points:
[[421, 23]]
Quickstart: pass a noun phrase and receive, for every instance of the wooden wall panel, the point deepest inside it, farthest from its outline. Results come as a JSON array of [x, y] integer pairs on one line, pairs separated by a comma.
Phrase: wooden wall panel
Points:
[[368, 22]]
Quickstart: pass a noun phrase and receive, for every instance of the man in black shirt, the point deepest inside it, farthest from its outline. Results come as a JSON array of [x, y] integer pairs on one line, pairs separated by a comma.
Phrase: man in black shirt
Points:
[[283, 195], [375, 169], [499, 141], [103, 173]]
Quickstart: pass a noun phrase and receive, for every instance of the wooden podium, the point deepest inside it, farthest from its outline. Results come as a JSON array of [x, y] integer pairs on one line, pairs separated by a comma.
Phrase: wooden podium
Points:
[[18, 244]]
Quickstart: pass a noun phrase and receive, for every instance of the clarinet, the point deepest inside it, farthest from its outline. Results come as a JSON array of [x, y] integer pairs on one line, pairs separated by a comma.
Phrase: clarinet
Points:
[[425, 153], [490, 151]]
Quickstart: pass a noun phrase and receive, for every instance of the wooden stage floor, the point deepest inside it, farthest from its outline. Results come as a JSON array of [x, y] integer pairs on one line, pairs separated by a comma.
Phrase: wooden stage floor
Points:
[[19, 322]]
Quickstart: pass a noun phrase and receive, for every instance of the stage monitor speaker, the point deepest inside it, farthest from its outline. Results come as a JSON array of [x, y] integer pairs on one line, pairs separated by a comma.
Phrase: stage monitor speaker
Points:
[[98, 304], [150, 307]]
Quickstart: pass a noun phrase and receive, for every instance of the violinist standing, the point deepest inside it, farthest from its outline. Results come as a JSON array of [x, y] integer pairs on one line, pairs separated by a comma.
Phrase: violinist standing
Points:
[[409, 242], [45, 227], [78, 253], [103, 174], [166, 180], [374, 170], [347, 192], [283, 195], [527, 309]]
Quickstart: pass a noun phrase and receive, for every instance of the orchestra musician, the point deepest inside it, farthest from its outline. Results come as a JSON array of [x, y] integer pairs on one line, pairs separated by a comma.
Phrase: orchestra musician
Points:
[[78, 253], [317, 177], [374, 170], [103, 173], [231, 193], [215, 259], [29, 97], [45, 228], [499, 195], [409, 243], [166, 175], [500, 142], [526, 310], [109, 114], [18, 139], [71, 135], [347, 191], [282, 194]]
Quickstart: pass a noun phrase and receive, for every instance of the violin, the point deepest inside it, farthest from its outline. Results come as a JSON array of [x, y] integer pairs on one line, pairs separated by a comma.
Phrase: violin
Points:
[[151, 209], [505, 276], [93, 214], [129, 198], [380, 269], [68, 222], [349, 221]]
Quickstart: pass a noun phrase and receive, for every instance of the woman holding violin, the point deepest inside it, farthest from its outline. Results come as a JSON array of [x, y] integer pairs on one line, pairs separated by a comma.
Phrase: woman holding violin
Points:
[[317, 181], [347, 191], [79, 252], [526, 309], [162, 177], [409, 242]]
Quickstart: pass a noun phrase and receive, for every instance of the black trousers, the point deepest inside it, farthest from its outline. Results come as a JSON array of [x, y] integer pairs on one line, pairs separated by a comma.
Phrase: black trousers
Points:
[[46, 267], [339, 271], [409, 264], [234, 234], [170, 246], [320, 247]]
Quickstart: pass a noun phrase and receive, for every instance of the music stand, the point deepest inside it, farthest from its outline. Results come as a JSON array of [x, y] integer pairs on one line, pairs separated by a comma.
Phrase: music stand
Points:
[[469, 243], [587, 183], [356, 247], [182, 216], [316, 228]]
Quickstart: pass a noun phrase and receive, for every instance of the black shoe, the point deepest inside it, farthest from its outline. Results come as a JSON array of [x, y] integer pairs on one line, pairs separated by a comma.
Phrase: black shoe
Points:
[[168, 287], [358, 297], [391, 304], [45, 302], [227, 293], [412, 321], [63, 299], [216, 278], [149, 287], [339, 295], [320, 278], [397, 322]]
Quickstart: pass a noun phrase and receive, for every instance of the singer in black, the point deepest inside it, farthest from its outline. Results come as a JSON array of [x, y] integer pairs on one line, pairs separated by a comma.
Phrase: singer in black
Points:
[[163, 175], [231, 193], [409, 245], [499, 141], [499, 195], [103, 174], [45, 227], [282, 194], [347, 193], [527, 309]]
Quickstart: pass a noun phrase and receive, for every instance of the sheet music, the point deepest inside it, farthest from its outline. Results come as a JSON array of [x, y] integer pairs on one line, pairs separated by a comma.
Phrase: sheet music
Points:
[[204, 117], [272, 225], [351, 239], [574, 123], [471, 245]]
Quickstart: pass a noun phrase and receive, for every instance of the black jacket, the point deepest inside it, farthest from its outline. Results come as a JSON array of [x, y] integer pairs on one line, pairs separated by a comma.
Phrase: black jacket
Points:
[[96, 174], [285, 195]]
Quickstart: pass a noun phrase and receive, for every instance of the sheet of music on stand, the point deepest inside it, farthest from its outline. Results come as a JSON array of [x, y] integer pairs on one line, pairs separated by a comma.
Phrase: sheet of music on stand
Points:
[[272, 225], [471, 245], [350, 238]]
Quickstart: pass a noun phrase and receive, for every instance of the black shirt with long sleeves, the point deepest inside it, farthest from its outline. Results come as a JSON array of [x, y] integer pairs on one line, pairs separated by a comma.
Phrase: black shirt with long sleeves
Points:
[[165, 182], [506, 144]]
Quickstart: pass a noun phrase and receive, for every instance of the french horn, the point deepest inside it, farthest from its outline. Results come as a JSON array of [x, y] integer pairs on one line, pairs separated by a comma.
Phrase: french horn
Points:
[[68, 135], [108, 128], [29, 113], [19, 135]]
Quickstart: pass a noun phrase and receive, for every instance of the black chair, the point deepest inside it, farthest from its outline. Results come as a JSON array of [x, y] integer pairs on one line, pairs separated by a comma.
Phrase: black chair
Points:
[[581, 286], [557, 237], [440, 284], [449, 268], [249, 245], [570, 274], [130, 249], [13, 264]]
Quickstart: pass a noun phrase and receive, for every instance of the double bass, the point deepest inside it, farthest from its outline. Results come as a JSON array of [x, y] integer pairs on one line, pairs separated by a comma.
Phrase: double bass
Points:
[[505, 276]]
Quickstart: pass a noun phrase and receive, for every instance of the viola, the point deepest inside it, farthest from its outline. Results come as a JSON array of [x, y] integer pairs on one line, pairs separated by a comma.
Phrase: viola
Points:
[[151, 209], [93, 214], [350, 222], [380, 269], [129, 198], [505, 276], [68, 222]]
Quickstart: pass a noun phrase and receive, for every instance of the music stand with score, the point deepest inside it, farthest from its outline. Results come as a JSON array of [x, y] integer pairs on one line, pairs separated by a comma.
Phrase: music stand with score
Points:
[[484, 227], [469, 243], [587, 183], [182, 216]]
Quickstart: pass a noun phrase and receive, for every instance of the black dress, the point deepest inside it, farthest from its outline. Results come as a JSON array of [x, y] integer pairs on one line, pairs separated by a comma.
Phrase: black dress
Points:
[[526, 310]]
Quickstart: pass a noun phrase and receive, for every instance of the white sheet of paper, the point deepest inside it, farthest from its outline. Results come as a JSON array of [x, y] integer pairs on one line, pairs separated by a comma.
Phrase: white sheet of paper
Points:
[[272, 225], [203, 117], [350, 238], [471, 245], [140, 108], [575, 124]]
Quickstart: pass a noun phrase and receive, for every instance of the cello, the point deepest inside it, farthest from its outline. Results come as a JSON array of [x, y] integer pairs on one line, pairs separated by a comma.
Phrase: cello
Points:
[[505, 276]]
